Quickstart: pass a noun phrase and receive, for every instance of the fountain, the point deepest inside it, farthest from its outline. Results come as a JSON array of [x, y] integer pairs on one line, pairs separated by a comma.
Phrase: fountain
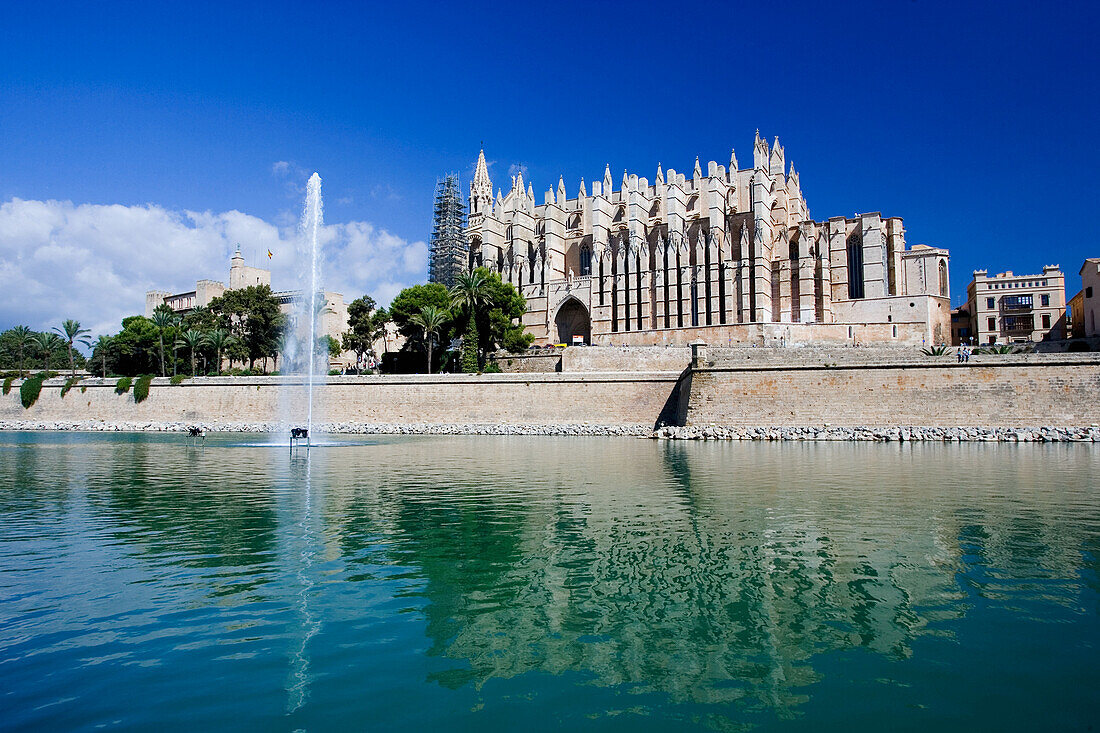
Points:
[[300, 350]]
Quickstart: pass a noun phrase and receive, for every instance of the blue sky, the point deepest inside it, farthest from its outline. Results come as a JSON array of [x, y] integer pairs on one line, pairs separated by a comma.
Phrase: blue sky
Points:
[[976, 123]]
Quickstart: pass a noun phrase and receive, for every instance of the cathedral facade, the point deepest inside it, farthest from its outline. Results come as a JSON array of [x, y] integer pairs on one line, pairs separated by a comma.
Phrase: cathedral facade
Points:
[[727, 255]]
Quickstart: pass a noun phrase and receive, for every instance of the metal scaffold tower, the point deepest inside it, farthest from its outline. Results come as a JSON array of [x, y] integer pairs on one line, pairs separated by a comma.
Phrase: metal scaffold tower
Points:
[[448, 251]]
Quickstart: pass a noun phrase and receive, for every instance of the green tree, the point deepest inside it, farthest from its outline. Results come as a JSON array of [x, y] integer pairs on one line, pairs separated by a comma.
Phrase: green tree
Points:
[[431, 320], [177, 325], [72, 332], [164, 319], [501, 325], [20, 340], [102, 346], [134, 348], [192, 340], [366, 324], [46, 343], [470, 296], [411, 302], [219, 339], [253, 316]]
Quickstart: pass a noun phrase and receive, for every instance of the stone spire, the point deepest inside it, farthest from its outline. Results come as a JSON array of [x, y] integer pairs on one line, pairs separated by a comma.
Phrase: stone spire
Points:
[[607, 180], [583, 191], [660, 174], [481, 188], [561, 190], [698, 172], [733, 161], [481, 185], [760, 153]]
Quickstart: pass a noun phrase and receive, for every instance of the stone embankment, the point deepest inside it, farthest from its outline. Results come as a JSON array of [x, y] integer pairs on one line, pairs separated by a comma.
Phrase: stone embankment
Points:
[[347, 428], [1045, 434]]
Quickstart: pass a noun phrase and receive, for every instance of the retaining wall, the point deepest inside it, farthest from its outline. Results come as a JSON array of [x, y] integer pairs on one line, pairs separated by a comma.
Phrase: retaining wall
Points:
[[532, 399], [1007, 394]]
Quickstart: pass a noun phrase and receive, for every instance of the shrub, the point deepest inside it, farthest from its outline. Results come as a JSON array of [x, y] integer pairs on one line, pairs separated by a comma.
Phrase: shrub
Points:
[[122, 386], [7, 384], [69, 384], [141, 387], [178, 379], [492, 368], [996, 349], [517, 341], [31, 388], [935, 351], [83, 388], [334, 372]]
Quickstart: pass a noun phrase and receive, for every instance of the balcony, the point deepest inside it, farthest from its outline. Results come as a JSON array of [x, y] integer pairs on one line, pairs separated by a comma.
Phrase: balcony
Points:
[[1016, 303], [1017, 324]]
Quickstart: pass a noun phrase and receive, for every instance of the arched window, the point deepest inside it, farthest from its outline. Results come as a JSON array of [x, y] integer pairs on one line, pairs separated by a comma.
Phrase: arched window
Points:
[[943, 278], [586, 260], [656, 209], [575, 221], [855, 268], [620, 213], [691, 203]]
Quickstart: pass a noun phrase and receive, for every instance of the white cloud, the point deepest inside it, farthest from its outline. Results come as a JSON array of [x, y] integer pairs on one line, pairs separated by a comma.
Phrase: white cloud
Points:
[[94, 263], [280, 168]]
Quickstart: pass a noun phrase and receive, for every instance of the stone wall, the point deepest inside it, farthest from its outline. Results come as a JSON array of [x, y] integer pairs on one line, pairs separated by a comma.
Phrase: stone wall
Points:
[[872, 356], [1005, 393], [542, 362], [625, 359], [776, 334], [766, 387], [532, 399]]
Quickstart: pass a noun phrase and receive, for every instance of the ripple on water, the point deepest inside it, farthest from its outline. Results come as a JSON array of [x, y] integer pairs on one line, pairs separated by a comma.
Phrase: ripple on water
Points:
[[502, 582]]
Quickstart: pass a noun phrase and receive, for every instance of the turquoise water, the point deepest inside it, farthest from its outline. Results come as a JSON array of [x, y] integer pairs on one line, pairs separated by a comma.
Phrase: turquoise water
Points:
[[502, 583]]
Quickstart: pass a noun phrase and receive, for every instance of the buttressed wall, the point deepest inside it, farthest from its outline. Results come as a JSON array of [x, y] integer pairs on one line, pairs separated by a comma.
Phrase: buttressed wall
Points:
[[721, 247]]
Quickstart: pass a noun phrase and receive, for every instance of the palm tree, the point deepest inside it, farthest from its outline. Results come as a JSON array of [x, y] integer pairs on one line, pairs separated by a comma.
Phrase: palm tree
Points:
[[220, 339], [72, 331], [46, 342], [192, 340], [471, 293], [163, 318], [431, 320], [21, 338], [177, 319], [102, 344]]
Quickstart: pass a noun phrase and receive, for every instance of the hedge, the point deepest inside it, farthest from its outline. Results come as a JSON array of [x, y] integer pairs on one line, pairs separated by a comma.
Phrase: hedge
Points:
[[141, 387], [69, 384], [31, 388], [122, 386]]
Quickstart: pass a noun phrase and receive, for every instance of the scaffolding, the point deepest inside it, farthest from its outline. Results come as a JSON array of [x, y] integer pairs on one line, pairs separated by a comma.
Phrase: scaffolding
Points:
[[448, 251]]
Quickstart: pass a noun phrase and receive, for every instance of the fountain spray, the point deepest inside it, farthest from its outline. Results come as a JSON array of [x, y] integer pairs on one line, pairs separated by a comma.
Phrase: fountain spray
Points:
[[312, 221]]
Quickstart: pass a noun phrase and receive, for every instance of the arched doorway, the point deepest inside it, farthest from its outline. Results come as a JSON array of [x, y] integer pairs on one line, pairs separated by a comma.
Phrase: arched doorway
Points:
[[572, 320]]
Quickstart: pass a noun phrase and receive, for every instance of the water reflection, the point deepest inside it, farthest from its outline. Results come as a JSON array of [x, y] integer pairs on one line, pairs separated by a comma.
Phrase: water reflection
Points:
[[713, 584]]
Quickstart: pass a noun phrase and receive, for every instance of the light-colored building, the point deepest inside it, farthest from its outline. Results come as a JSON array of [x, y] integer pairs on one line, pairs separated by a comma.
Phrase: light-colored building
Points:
[[729, 255], [1010, 308], [333, 320], [1090, 297]]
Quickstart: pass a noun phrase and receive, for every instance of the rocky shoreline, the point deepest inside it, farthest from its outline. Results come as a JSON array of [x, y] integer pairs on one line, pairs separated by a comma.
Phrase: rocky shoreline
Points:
[[1043, 434], [960, 434]]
